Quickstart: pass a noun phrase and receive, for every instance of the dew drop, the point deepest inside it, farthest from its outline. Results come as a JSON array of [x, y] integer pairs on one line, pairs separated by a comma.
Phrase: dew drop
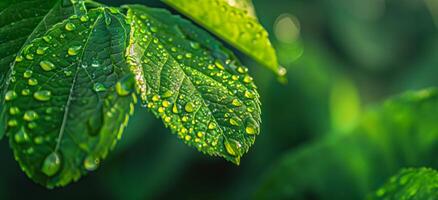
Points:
[[190, 107], [125, 86], [14, 110], [47, 65], [247, 79], [51, 164], [234, 121], [41, 50], [43, 95], [212, 125], [99, 87], [30, 115], [32, 82], [12, 123], [47, 38], [21, 136], [250, 130], [70, 27], [72, 51], [232, 146], [10, 95], [84, 18], [236, 103], [19, 59], [249, 95], [194, 45], [27, 73], [25, 92], [91, 163], [29, 56]]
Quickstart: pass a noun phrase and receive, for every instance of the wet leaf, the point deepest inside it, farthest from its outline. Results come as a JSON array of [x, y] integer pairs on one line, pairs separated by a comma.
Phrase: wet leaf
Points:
[[233, 22], [410, 184], [198, 88], [59, 125], [35, 17]]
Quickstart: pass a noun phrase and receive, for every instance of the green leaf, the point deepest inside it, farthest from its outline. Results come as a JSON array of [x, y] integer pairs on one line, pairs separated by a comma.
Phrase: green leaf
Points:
[[35, 17], [70, 97], [410, 184], [233, 24], [398, 134], [199, 89]]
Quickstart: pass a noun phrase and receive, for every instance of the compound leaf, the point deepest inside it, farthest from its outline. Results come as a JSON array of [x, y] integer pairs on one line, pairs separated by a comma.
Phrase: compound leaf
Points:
[[70, 97], [233, 22], [199, 89], [35, 17], [410, 184]]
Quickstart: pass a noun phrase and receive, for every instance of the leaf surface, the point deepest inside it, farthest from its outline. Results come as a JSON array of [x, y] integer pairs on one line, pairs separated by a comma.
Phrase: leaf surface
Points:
[[199, 89], [70, 97], [36, 16], [413, 184], [233, 22]]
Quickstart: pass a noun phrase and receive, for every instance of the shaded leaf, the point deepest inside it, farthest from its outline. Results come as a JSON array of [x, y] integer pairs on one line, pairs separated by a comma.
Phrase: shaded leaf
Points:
[[35, 17], [69, 97], [399, 134], [233, 24], [199, 89], [410, 184]]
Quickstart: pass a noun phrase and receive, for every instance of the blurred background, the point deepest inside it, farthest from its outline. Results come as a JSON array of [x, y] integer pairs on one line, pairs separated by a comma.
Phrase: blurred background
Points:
[[342, 56]]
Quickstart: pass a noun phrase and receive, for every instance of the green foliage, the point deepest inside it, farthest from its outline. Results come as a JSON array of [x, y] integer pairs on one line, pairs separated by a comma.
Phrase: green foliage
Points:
[[234, 23], [200, 90], [69, 73], [398, 134], [35, 17], [410, 184]]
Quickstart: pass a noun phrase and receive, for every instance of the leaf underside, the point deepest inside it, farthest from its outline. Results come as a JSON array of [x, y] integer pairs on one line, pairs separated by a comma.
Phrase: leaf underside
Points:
[[69, 97], [234, 24], [198, 88], [410, 184]]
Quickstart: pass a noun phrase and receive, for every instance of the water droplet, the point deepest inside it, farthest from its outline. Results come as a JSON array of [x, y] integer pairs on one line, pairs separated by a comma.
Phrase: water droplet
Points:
[[19, 59], [30, 115], [167, 94], [91, 163], [43, 95], [21, 136], [219, 64], [99, 87], [14, 110], [10, 95], [282, 71], [232, 146], [70, 27], [32, 82], [190, 107], [154, 29], [84, 18], [212, 125], [72, 51], [12, 123], [25, 92], [249, 95], [250, 130], [47, 65], [188, 55], [236, 102], [125, 86], [247, 79], [155, 98], [29, 56], [195, 45], [51, 164], [27, 73], [47, 38], [41, 50], [235, 121], [175, 108], [166, 103]]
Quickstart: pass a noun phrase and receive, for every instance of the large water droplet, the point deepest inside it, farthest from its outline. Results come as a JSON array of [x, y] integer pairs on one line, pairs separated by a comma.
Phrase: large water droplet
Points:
[[32, 82], [43, 95], [51, 164], [47, 65], [232, 147]]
